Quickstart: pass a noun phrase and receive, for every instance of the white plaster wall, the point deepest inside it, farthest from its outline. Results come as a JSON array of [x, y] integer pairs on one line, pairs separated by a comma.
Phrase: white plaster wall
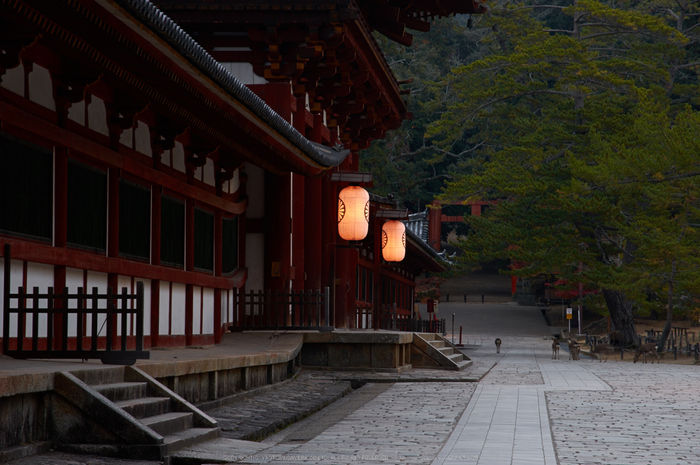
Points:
[[202, 310], [233, 184], [97, 116], [76, 112], [207, 323], [178, 303], [244, 73], [126, 138], [40, 276], [255, 258], [146, 307], [256, 191], [196, 310], [227, 306], [164, 315], [74, 280], [166, 157], [13, 80], [142, 139], [179, 157], [98, 280], [126, 281], [16, 281], [40, 87]]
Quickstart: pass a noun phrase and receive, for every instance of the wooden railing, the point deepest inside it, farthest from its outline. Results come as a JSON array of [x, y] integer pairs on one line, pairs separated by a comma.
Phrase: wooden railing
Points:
[[400, 320], [65, 310], [283, 310], [363, 315]]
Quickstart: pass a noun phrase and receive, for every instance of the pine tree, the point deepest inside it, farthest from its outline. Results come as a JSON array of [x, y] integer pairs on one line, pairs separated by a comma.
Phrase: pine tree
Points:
[[541, 108]]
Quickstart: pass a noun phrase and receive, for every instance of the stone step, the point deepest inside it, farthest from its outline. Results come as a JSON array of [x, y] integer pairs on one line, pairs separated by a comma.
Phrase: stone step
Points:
[[145, 406], [122, 391], [463, 364], [169, 423], [188, 438], [447, 351]]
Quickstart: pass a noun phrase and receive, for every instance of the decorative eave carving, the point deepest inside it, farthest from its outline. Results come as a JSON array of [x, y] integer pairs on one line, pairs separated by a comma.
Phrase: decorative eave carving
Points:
[[151, 62]]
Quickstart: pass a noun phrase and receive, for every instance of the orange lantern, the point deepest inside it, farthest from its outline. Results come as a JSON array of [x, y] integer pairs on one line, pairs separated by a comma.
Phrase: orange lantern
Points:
[[393, 241], [353, 213]]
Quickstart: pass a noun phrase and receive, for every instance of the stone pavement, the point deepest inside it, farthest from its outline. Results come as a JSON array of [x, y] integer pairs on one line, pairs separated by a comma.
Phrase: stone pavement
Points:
[[256, 417], [527, 409], [516, 407]]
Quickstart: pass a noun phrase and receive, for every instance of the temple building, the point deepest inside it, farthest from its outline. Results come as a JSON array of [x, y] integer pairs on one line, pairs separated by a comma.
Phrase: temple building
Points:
[[198, 147]]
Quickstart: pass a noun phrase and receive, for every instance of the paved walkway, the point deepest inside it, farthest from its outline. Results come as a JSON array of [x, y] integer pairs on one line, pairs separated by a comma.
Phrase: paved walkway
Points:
[[527, 409], [506, 421], [516, 407]]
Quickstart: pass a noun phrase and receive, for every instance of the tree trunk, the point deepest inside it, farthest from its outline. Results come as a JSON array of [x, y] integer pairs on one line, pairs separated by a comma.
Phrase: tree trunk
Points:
[[669, 311], [621, 316]]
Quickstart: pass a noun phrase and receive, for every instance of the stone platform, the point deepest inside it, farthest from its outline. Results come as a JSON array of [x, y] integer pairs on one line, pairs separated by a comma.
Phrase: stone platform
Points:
[[209, 376]]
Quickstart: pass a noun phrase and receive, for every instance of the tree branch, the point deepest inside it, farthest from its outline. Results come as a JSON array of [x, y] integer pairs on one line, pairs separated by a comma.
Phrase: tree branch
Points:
[[688, 65], [537, 6], [691, 28], [507, 97], [614, 242], [558, 30], [609, 34]]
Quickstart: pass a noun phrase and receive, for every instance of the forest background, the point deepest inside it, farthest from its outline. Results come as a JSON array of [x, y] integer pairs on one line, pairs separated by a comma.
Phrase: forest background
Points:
[[580, 120]]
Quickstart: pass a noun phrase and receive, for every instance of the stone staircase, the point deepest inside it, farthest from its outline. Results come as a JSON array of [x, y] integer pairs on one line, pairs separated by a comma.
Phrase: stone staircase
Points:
[[125, 413], [431, 350]]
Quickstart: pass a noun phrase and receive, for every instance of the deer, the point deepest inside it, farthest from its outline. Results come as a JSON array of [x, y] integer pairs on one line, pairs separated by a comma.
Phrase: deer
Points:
[[602, 349], [555, 348], [574, 350], [644, 349]]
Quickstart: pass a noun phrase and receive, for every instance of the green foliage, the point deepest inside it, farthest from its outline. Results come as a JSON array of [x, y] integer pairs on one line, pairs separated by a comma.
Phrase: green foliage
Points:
[[588, 139], [405, 164]]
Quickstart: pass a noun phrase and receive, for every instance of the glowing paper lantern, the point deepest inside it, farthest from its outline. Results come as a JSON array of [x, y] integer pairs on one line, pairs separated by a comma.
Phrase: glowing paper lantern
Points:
[[353, 213], [393, 241]]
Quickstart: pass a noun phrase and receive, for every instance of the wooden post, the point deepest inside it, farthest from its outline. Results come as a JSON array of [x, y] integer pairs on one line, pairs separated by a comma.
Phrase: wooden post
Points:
[[6, 300]]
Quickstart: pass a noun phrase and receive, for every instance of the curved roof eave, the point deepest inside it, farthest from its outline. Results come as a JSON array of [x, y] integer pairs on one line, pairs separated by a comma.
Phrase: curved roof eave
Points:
[[183, 43], [426, 249]]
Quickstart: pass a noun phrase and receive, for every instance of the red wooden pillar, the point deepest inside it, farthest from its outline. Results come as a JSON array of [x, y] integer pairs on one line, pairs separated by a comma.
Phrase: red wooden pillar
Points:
[[298, 265], [61, 198], [113, 241], [189, 266], [218, 244], [277, 231], [377, 245], [314, 217], [329, 231], [476, 209], [299, 115], [155, 260], [242, 228], [313, 232], [60, 233], [435, 226], [346, 267]]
